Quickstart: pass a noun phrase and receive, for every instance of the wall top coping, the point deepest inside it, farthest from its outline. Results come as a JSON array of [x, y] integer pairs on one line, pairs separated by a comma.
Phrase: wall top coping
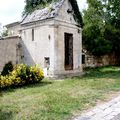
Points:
[[10, 37]]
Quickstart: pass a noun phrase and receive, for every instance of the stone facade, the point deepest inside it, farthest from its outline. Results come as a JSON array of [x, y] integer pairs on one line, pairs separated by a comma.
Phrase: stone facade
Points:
[[49, 42], [60, 49]]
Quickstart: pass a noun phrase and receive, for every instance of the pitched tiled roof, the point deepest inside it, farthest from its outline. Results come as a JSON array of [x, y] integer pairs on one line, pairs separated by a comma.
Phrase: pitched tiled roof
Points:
[[49, 12]]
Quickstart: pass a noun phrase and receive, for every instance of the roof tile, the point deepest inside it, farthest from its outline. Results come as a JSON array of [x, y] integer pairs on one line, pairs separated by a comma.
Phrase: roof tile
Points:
[[45, 13]]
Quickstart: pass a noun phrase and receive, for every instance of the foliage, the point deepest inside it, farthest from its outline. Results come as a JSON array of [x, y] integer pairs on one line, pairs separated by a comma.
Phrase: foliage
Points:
[[113, 35], [22, 75], [32, 5], [5, 33], [95, 42], [0, 29], [102, 27], [7, 68]]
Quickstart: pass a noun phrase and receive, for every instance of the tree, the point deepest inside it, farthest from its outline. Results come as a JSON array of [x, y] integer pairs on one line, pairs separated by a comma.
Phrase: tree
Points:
[[112, 28], [0, 29], [93, 32], [32, 5], [4, 33], [102, 27]]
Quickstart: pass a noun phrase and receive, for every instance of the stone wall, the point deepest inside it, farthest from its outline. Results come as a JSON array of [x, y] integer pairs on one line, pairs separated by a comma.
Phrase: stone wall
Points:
[[9, 50], [35, 51], [92, 61]]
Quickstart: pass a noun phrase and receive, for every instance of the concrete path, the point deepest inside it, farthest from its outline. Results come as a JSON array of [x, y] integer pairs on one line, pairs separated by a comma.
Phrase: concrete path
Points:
[[107, 111]]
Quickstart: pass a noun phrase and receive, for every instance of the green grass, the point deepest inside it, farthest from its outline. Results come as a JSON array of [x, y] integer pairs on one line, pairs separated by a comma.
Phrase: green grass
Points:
[[60, 99]]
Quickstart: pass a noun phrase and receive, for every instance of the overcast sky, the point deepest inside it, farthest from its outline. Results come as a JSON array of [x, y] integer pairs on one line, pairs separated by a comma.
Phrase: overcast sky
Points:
[[11, 10]]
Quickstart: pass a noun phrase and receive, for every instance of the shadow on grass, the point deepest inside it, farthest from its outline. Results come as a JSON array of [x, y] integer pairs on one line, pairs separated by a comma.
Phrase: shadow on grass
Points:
[[36, 85], [6, 115], [41, 84], [104, 74]]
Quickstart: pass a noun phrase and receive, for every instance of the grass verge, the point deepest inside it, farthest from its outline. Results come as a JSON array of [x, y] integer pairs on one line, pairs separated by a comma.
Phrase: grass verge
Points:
[[59, 100]]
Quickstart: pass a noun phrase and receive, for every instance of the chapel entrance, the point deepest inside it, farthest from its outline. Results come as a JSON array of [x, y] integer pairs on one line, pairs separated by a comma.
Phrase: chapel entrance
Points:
[[68, 51]]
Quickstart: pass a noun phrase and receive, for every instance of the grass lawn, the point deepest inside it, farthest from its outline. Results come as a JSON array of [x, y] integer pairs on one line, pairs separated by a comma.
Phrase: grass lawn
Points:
[[61, 99]]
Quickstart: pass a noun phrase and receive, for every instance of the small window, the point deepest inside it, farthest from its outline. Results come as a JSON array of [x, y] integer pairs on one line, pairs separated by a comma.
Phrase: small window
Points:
[[83, 59], [47, 62], [32, 34]]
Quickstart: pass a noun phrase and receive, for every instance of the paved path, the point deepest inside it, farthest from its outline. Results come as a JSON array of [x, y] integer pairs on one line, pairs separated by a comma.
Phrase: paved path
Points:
[[107, 111]]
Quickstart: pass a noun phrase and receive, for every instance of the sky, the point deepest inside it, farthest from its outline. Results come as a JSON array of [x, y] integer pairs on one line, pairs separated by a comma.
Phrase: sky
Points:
[[11, 10]]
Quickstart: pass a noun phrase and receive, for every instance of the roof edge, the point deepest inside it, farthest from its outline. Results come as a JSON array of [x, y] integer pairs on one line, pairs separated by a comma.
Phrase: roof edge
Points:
[[8, 37], [12, 24]]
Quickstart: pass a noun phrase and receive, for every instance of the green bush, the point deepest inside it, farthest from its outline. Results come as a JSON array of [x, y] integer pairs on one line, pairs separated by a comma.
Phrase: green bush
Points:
[[7, 68], [22, 75]]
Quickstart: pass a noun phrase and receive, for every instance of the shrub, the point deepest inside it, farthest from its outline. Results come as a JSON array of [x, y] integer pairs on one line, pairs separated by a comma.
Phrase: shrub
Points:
[[22, 75], [36, 74], [7, 68]]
